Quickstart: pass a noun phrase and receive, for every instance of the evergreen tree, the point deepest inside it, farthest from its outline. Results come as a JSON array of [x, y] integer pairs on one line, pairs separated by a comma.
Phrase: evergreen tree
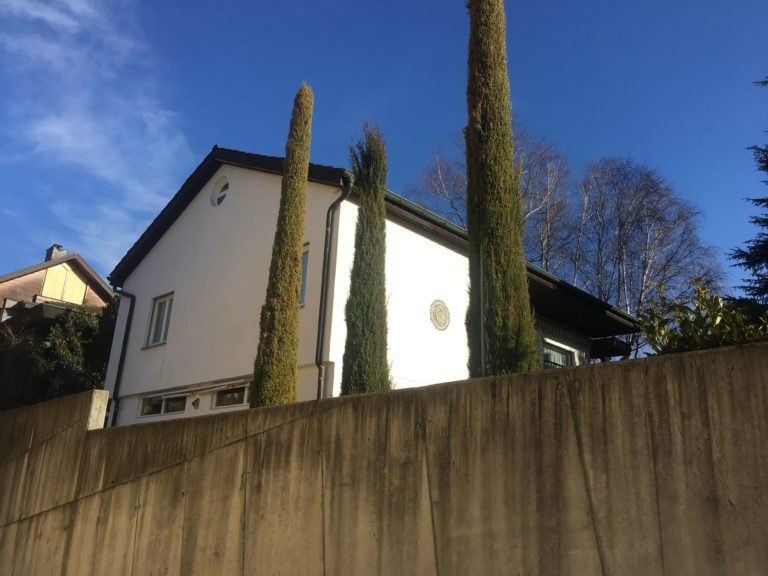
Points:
[[754, 258], [499, 320], [365, 366], [275, 372]]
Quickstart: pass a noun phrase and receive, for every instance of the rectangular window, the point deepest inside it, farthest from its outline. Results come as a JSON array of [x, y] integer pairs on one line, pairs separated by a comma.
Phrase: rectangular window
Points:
[[160, 320], [175, 404], [151, 406], [230, 397], [553, 356], [304, 262], [160, 405]]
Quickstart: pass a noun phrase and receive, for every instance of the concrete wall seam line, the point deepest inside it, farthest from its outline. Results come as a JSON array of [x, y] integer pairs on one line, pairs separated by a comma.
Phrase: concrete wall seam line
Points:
[[567, 396], [654, 459], [423, 438]]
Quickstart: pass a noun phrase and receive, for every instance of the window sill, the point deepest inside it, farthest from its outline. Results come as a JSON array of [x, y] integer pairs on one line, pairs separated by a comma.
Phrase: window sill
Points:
[[241, 405], [148, 346], [161, 414]]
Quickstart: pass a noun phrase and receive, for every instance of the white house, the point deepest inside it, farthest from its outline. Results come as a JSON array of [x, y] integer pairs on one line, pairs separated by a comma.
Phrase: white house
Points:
[[193, 284]]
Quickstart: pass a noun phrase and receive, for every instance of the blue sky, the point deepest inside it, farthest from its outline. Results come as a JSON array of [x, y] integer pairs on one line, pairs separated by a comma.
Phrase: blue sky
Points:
[[107, 106]]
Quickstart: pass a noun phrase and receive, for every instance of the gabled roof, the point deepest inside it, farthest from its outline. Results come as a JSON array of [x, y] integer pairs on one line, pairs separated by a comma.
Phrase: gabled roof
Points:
[[551, 296], [94, 280], [207, 168]]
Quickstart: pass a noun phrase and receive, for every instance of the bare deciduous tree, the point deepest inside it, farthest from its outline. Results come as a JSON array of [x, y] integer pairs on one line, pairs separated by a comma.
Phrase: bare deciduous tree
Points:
[[545, 183], [442, 188], [443, 184], [633, 233], [619, 234]]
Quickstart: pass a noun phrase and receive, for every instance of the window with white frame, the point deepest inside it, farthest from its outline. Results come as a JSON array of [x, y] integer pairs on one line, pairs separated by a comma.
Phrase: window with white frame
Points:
[[304, 263], [554, 356], [160, 320], [163, 405], [230, 397]]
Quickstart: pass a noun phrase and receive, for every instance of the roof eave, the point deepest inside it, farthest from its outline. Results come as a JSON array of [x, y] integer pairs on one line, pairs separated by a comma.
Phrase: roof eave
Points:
[[328, 175], [96, 281]]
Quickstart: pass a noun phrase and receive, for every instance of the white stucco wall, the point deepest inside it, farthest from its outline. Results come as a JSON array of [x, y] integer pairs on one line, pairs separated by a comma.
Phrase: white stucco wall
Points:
[[419, 271], [215, 260]]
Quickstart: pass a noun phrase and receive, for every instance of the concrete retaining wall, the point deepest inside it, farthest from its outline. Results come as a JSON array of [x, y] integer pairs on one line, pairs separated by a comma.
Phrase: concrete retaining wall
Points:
[[657, 466]]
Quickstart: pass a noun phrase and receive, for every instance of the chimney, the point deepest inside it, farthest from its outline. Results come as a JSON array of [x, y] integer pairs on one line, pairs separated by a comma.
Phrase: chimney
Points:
[[55, 251]]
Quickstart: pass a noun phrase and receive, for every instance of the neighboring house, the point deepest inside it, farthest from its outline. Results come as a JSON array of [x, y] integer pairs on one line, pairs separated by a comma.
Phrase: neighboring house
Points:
[[193, 284], [32, 297]]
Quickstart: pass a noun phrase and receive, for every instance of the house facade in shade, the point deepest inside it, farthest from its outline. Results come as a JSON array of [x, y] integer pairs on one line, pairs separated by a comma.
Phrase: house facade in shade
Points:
[[192, 286], [31, 298]]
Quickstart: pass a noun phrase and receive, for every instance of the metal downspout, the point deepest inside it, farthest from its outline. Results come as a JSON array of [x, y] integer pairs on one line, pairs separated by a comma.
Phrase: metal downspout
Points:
[[121, 361], [347, 181]]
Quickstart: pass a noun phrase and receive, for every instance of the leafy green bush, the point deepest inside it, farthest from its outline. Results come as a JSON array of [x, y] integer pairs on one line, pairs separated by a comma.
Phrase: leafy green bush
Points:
[[700, 321]]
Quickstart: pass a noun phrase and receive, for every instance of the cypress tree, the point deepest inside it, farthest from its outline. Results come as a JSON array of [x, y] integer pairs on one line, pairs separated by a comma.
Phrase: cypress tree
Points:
[[275, 372], [499, 318], [365, 366]]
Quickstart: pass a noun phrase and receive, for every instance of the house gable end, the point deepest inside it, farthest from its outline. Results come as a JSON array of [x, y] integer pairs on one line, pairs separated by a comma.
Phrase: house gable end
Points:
[[29, 281], [194, 184]]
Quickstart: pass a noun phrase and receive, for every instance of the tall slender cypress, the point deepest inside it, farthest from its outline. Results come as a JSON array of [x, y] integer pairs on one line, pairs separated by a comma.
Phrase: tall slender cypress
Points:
[[365, 365], [275, 372], [500, 327]]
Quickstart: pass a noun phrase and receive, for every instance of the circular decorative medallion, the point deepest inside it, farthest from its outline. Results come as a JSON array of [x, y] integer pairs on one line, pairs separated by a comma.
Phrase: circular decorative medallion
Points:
[[438, 313]]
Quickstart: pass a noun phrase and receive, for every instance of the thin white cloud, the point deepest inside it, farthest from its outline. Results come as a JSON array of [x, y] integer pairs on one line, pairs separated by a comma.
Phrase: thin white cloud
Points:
[[102, 250], [45, 12], [85, 97]]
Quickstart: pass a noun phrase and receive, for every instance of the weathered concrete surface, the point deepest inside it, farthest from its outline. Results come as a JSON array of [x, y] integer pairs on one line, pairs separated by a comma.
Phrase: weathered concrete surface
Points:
[[657, 466]]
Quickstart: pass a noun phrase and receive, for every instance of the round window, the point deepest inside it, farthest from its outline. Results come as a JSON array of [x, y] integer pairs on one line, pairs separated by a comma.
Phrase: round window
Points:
[[219, 193]]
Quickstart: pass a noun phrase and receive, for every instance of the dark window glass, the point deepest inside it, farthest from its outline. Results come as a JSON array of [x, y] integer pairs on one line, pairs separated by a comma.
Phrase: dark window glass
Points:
[[230, 397], [151, 406], [222, 193], [175, 404]]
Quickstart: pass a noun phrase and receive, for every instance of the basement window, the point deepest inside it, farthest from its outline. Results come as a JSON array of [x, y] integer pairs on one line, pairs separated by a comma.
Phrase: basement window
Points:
[[229, 397], [158, 405]]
